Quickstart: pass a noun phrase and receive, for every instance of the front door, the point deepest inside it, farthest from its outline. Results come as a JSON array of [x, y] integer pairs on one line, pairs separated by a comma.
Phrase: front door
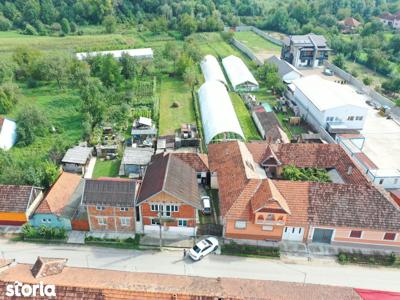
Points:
[[322, 235], [293, 234]]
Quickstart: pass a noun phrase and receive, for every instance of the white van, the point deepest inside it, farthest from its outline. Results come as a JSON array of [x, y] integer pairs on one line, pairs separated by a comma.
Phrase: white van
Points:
[[205, 200]]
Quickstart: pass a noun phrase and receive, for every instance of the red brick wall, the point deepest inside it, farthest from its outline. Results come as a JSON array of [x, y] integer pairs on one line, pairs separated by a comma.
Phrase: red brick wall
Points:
[[185, 211], [113, 222]]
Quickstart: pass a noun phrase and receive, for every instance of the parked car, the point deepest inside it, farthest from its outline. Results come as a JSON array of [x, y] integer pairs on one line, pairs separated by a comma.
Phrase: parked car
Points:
[[203, 248], [206, 202]]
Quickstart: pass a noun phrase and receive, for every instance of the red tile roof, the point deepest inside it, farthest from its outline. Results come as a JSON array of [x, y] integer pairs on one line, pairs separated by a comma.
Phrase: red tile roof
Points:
[[197, 161], [85, 283], [16, 198], [60, 194]]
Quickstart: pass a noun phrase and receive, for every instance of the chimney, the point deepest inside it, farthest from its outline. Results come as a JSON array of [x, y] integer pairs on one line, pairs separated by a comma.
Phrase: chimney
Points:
[[349, 170], [46, 266]]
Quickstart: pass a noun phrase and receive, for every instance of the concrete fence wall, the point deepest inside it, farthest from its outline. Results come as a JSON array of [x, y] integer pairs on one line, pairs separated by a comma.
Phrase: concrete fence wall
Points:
[[266, 36], [359, 85], [243, 48]]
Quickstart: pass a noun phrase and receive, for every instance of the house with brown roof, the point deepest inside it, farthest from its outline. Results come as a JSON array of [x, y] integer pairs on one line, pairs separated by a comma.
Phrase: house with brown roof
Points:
[[61, 202], [169, 193], [257, 204], [17, 203], [349, 25], [110, 204], [391, 20], [199, 162]]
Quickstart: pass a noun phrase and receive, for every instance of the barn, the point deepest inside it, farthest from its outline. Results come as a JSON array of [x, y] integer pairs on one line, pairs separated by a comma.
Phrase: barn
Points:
[[219, 119], [239, 75]]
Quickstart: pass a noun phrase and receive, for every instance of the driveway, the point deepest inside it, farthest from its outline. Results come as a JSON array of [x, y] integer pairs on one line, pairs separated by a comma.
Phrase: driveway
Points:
[[90, 168], [320, 271]]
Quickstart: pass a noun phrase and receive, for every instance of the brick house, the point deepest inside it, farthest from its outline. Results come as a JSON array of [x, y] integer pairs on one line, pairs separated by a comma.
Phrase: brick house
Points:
[[257, 204], [110, 204], [199, 162], [18, 203], [169, 189]]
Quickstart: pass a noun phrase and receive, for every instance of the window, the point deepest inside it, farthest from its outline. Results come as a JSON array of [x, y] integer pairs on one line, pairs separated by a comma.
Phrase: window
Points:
[[329, 119], [166, 211], [359, 118], [182, 223], [175, 208], [389, 236], [125, 221], [240, 224], [98, 207], [101, 221], [350, 118], [46, 220], [155, 222], [381, 181], [154, 207], [355, 234], [123, 208]]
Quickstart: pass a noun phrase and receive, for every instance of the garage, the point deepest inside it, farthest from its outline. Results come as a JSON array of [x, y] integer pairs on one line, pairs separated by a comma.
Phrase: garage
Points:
[[293, 234], [322, 235]]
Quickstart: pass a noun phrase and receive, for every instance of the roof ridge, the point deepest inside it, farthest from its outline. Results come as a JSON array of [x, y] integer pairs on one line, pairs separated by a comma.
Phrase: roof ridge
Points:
[[166, 171]]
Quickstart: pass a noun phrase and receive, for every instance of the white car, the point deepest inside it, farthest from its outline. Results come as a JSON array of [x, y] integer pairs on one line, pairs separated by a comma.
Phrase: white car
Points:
[[205, 200], [203, 248]]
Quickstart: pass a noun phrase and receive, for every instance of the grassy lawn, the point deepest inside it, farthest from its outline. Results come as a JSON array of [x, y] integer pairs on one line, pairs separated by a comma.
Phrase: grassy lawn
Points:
[[245, 119], [257, 43], [62, 110], [106, 168], [175, 90]]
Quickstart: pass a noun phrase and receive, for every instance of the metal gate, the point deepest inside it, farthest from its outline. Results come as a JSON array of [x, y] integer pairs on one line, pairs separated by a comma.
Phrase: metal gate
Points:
[[322, 235], [209, 229]]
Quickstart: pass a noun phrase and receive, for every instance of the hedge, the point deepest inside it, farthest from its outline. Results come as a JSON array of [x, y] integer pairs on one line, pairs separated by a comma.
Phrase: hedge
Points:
[[249, 250], [368, 259], [42, 233]]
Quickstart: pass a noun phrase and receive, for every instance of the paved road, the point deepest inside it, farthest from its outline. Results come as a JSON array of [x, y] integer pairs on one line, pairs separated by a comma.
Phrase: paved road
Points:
[[171, 262]]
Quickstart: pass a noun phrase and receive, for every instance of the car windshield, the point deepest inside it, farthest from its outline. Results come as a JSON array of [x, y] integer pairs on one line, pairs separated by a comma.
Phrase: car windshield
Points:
[[196, 249]]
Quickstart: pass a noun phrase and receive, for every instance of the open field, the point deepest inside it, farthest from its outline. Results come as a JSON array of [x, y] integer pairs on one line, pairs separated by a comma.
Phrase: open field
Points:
[[245, 119], [62, 109], [261, 47], [174, 90], [106, 168]]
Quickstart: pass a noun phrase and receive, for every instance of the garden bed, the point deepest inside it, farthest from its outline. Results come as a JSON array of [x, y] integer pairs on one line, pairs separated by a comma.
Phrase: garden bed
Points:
[[129, 243]]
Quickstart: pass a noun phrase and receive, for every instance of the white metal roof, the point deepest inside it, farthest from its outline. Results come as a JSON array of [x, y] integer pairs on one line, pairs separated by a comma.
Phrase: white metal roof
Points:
[[212, 70], [217, 112], [237, 71], [8, 133], [77, 155], [141, 52], [325, 94]]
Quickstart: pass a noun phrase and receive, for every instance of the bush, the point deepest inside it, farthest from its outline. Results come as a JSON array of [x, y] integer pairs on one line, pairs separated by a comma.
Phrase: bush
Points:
[[370, 259], [244, 250], [30, 30], [43, 232], [367, 80]]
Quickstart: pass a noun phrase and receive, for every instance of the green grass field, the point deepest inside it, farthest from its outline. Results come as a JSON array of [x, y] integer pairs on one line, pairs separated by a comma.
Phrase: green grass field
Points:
[[106, 168], [245, 119], [62, 109], [175, 90], [257, 43]]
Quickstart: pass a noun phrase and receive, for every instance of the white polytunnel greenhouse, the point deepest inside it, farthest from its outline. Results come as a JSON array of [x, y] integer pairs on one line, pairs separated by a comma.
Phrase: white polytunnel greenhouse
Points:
[[212, 70], [239, 75], [218, 116]]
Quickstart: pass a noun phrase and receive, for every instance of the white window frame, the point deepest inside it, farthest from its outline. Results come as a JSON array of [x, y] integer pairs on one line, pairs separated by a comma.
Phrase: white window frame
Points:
[[361, 236], [181, 223], [102, 221], [125, 221], [154, 207], [240, 224], [123, 208], [395, 236]]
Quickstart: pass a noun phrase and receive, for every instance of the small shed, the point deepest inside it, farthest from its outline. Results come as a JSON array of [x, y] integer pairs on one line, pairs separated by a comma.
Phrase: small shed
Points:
[[76, 159], [135, 161], [268, 125]]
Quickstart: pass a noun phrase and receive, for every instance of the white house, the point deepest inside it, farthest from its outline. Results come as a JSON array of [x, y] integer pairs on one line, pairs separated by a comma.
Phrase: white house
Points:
[[286, 71], [336, 108], [8, 133], [140, 53], [239, 75]]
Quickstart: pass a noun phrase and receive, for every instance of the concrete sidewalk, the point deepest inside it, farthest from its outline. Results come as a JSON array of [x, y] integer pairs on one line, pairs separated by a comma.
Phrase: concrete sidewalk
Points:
[[169, 241]]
